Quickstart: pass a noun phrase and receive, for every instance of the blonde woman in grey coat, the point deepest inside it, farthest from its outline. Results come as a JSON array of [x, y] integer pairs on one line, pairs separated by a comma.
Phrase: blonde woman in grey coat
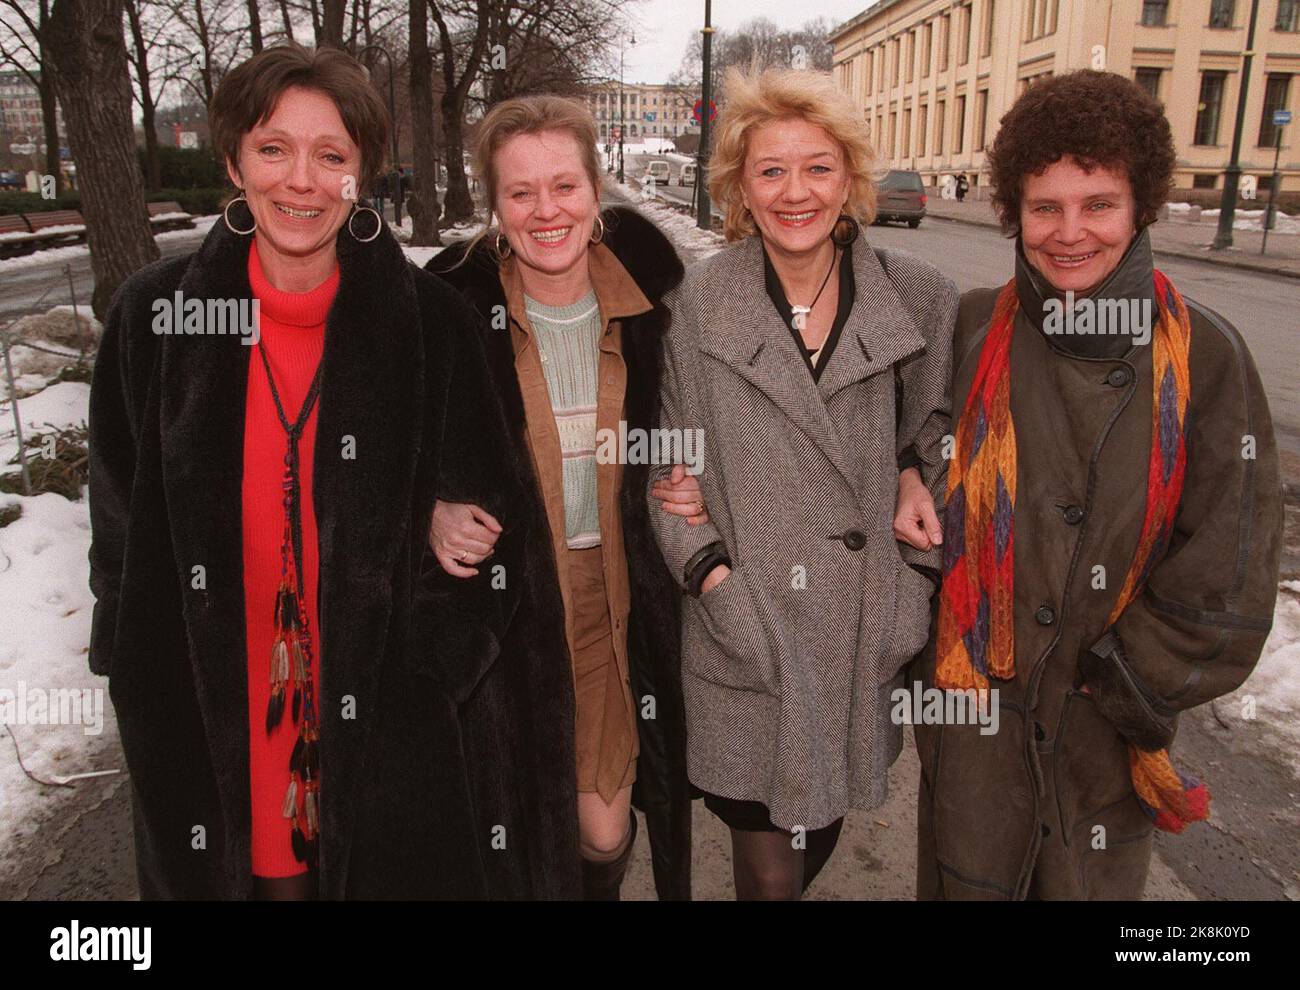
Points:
[[815, 368]]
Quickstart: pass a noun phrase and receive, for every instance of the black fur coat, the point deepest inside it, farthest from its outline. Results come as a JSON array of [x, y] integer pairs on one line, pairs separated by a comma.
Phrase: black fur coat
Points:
[[533, 704], [415, 652]]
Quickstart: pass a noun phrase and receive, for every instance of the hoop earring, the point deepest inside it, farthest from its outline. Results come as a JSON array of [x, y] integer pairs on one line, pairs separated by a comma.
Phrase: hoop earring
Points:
[[503, 252], [225, 214], [379, 223], [597, 238], [845, 231]]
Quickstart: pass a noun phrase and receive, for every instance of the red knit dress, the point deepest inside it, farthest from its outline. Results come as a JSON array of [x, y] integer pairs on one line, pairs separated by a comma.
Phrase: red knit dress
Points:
[[293, 333]]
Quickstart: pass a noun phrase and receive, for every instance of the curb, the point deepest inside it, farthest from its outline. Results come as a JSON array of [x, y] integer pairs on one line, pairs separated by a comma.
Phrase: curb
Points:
[[1168, 252]]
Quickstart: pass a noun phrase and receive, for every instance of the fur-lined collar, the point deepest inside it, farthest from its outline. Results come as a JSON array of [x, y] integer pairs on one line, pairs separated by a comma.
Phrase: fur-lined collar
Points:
[[640, 247]]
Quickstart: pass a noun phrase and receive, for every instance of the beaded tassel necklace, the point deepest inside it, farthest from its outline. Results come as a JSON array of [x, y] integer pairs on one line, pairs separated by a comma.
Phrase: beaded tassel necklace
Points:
[[291, 652]]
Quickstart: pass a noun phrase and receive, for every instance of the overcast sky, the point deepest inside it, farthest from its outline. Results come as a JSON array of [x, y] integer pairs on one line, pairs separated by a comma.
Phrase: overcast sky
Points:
[[664, 27]]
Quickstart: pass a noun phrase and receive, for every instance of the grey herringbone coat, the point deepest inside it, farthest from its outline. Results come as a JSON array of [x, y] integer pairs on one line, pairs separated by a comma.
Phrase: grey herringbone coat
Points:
[[787, 665]]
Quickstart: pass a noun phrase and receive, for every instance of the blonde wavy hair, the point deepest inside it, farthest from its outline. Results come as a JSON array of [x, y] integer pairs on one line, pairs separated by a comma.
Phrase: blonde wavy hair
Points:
[[785, 94]]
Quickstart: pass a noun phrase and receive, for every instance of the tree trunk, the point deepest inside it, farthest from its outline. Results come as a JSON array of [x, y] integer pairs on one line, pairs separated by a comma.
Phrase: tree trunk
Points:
[[87, 51], [459, 204], [288, 24], [423, 202], [50, 124], [152, 166], [255, 26], [332, 23]]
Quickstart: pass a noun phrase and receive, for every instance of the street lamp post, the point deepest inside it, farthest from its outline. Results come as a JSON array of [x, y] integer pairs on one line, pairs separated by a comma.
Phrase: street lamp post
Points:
[[1232, 177], [392, 113], [622, 50], [705, 218]]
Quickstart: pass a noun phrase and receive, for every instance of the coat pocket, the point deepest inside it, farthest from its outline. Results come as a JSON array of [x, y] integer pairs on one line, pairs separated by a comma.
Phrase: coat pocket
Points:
[[725, 641], [911, 629]]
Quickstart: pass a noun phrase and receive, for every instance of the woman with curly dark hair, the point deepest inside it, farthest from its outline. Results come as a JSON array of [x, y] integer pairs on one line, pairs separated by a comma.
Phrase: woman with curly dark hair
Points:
[[1113, 520]]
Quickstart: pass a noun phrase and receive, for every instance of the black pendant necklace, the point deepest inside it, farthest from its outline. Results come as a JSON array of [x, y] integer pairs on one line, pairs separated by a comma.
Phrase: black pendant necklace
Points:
[[800, 313], [291, 652]]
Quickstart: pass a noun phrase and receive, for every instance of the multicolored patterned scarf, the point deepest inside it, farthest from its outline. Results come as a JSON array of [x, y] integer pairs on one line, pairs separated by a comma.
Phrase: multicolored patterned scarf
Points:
[[976, 619]]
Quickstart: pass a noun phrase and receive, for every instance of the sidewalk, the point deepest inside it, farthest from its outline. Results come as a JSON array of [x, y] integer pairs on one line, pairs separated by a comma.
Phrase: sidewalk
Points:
[[1174, 238]]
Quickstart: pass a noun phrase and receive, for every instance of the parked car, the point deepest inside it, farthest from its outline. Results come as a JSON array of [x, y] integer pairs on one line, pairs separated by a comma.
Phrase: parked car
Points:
[[11, 180], [686, 177], [900, 197], [659, 171]]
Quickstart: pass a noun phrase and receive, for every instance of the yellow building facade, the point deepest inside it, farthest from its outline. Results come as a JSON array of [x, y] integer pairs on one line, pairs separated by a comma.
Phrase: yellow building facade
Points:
[[934, 77]]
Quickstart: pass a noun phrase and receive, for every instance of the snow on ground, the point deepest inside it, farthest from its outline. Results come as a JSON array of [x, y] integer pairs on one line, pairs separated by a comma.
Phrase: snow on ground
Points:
[[1242, 220], [1273, 689], [57, 407], [57, 712], [681, 228], [73, 251]]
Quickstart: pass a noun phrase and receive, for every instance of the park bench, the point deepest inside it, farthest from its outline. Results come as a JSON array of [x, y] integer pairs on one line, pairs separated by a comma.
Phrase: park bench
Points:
[[15, 235], [169, 216], [57, 226]]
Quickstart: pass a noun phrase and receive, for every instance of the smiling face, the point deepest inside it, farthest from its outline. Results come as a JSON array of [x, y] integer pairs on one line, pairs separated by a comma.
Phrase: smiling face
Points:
[[794, 184], [295, 167], [1076, 225], [545, 201]]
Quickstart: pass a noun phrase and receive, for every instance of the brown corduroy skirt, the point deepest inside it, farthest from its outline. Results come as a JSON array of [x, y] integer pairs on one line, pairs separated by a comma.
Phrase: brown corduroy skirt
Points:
[[605, 732]]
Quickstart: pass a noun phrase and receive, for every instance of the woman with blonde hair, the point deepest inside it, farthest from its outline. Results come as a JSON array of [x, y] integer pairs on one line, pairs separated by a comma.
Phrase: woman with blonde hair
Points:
[[572, 303], [815, 367]]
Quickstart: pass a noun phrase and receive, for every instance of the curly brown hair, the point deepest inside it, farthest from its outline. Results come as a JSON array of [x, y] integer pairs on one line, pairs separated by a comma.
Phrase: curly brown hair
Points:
[[1097, 118]]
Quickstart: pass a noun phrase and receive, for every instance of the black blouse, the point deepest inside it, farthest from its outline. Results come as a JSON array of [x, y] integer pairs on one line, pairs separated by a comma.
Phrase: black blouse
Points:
[[777, 294]]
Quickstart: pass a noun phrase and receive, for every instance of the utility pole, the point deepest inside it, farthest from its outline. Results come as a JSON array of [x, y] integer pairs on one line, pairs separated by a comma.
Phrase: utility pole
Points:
[[705, 218], [1232, 177]]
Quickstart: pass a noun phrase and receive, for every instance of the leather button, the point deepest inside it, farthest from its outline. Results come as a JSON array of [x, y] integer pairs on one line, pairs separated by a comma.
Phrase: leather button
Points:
[[1118, 377], [1045, 615], [1073, 515], [855, 539], [1039, 734]]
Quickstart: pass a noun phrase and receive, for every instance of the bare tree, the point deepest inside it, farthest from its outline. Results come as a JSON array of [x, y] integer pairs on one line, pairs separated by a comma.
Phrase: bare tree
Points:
[[216, 31], [22, 46], [157, 60], [87, 57], [459, 204], [332, 23], [547, 46], [255, 26], [423, 203]]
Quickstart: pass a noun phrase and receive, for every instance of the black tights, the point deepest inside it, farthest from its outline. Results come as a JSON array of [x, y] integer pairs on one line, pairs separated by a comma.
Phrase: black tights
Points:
[[768, 867]]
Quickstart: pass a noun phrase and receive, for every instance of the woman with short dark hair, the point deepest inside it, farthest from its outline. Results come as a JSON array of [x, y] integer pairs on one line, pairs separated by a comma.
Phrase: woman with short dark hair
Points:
[[285, 659], [1113, 519]]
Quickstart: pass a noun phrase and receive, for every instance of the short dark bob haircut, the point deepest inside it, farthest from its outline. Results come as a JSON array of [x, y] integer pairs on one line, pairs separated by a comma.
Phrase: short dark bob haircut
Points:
[[1098, 119], [247, 96]]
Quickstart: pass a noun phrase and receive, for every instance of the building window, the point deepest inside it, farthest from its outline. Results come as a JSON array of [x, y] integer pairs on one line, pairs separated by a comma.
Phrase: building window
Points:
[[939, 114], [927, 35], [893, 69], [981, 118], [1277, 96], [922, 120], [905, 145], [959, 121], [911, 54], [1154, 12], [986, 47], [870, 76], [1149, 79], [893, 127], [1221, 13], [1209, 107], [945, 32], [1288, 15], [963, 41], [1205, 181]]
